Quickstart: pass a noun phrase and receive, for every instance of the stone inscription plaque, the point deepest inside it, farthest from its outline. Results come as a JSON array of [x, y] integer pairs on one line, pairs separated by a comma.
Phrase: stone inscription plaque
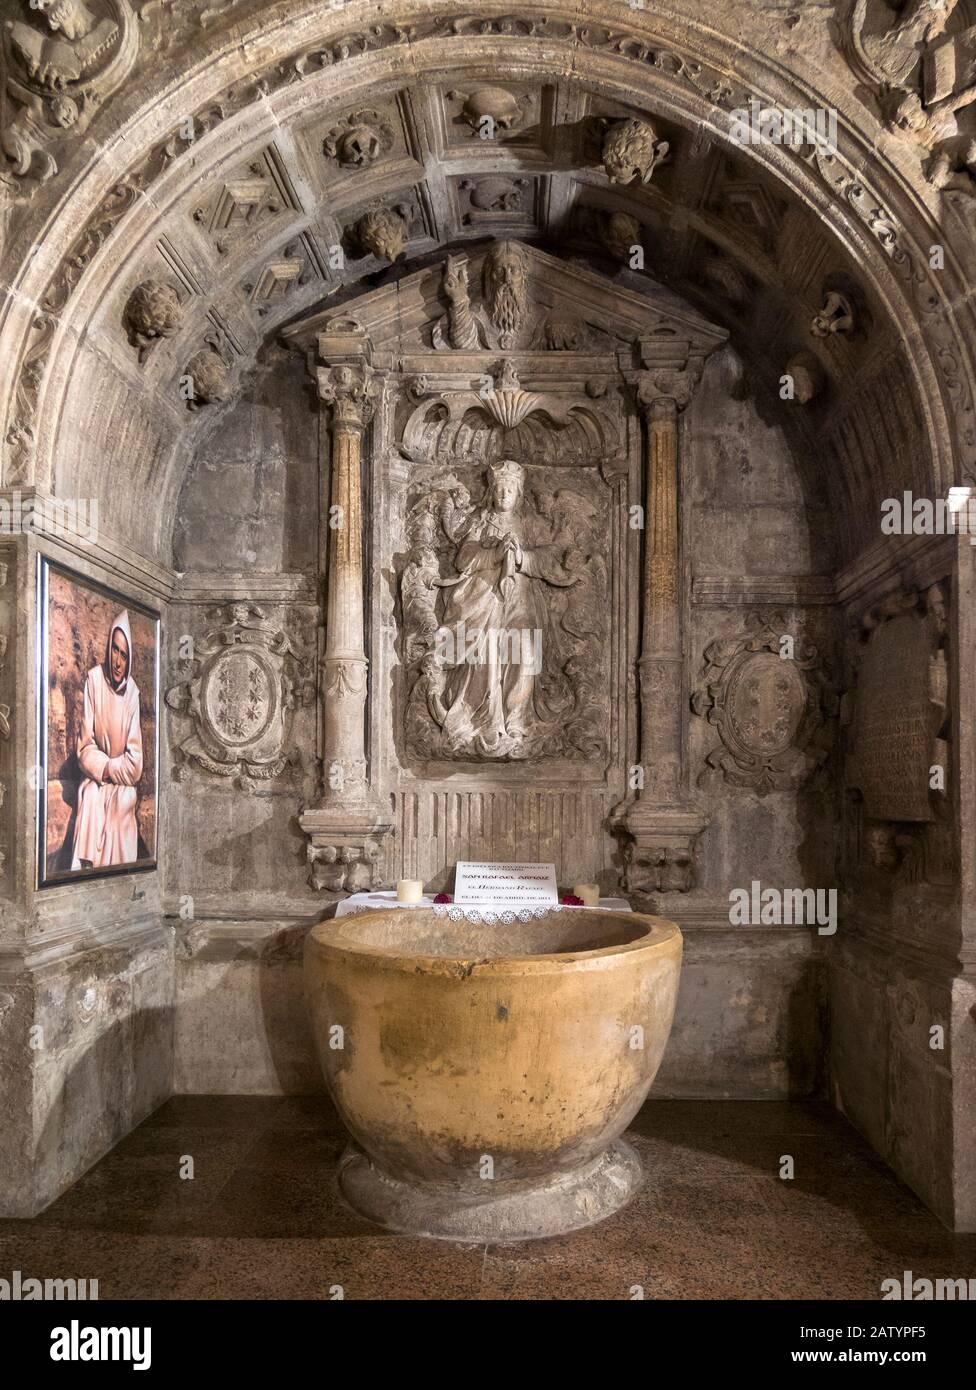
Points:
[[896, 722]]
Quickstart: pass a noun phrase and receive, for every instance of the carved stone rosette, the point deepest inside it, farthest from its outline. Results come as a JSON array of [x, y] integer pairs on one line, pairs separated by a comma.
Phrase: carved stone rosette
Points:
[[767, 693], [246, 676]]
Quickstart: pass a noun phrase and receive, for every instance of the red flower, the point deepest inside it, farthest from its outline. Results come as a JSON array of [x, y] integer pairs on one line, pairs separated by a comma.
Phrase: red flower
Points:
[[571, 900], [444, 898]]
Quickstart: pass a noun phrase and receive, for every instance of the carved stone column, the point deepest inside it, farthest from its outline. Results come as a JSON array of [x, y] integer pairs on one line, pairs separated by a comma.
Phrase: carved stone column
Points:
[[661, 821], [344, 664], [347, 825]]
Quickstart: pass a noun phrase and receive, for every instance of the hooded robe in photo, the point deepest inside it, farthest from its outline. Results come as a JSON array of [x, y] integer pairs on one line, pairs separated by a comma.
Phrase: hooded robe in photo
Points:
[[110, 756]]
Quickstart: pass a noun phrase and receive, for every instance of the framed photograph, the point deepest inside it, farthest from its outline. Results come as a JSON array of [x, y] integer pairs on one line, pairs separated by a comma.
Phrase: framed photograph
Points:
[[98, 739]]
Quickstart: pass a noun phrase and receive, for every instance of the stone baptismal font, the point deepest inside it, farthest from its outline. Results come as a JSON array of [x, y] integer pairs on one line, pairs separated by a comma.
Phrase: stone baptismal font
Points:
[[487, 1073]]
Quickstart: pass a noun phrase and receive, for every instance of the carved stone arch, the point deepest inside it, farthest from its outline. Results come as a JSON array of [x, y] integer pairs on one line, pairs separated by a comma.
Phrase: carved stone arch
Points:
[[676, 68]]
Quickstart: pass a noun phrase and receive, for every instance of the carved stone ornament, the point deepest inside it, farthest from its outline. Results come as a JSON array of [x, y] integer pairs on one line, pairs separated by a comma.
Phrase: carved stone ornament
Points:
[[836, 316], [768, 695], [502, 623], [476, 427], [344, 867], [501, 107], [61, 60], [923, 78], [621, 233], [808, 377], [383, 232], [632, 150], [724, 277], [359, 139], [899, 708], [506, 317], [208, 376], [245, 678], [153, 311], [495, 193]]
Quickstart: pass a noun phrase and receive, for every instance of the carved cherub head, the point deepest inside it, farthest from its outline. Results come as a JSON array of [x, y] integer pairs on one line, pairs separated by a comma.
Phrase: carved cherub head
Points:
[[631, 150]]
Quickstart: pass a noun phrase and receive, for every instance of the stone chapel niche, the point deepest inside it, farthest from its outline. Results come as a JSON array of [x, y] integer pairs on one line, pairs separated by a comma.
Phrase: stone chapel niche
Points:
[[499, 424]]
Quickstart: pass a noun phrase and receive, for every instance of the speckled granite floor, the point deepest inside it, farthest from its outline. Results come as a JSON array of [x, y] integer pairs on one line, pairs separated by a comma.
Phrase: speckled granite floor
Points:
[[262, 1217]]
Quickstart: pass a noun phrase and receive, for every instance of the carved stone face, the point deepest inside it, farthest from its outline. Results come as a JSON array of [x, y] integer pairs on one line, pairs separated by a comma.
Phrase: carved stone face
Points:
[[631, 150], [154, 310], [505, 495], [622, 233], [384, 232], [210, 377], [69, 16], [505, 287]]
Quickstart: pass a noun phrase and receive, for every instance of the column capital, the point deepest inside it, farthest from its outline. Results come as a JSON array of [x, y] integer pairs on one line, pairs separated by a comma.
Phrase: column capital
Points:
[[349, 391], [664, 392]]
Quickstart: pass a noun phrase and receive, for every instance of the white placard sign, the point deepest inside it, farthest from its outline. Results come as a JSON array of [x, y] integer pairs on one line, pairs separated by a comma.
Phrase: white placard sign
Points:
[[505, 885]]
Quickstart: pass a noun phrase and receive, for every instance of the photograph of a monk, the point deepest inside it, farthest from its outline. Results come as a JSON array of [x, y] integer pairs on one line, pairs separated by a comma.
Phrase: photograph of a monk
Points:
[[109, 753], [98, 804]]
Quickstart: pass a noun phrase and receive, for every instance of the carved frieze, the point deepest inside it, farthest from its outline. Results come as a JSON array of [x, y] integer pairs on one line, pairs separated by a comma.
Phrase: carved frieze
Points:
[[767, 693], [244, 679], [504, 592]]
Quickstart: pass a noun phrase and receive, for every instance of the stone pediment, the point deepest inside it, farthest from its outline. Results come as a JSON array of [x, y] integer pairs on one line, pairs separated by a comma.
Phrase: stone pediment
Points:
[[553, 305]]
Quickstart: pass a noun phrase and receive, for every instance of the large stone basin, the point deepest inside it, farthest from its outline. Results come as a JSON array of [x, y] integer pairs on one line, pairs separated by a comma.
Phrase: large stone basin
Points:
[[487, 1073]]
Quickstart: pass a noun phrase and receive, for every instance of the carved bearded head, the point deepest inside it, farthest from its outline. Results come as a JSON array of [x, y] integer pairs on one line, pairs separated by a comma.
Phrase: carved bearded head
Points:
[[505, 287]]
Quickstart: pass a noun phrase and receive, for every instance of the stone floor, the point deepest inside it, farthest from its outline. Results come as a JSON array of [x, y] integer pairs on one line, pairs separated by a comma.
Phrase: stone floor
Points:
[[261, 1217]]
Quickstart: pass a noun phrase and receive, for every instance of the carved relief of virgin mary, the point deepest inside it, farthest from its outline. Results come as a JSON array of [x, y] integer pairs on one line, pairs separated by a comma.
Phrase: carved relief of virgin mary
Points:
[[498, 653]]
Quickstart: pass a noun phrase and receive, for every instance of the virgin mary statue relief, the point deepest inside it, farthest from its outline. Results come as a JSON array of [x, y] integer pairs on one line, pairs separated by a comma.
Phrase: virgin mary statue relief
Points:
[[486, 677]]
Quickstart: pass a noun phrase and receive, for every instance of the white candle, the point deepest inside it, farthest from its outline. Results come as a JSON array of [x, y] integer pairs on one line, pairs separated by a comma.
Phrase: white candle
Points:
[[409, 890], [589, 892]]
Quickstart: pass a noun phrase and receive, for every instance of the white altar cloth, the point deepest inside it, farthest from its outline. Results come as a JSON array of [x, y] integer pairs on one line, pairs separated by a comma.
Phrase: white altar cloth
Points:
[[356, 902]]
